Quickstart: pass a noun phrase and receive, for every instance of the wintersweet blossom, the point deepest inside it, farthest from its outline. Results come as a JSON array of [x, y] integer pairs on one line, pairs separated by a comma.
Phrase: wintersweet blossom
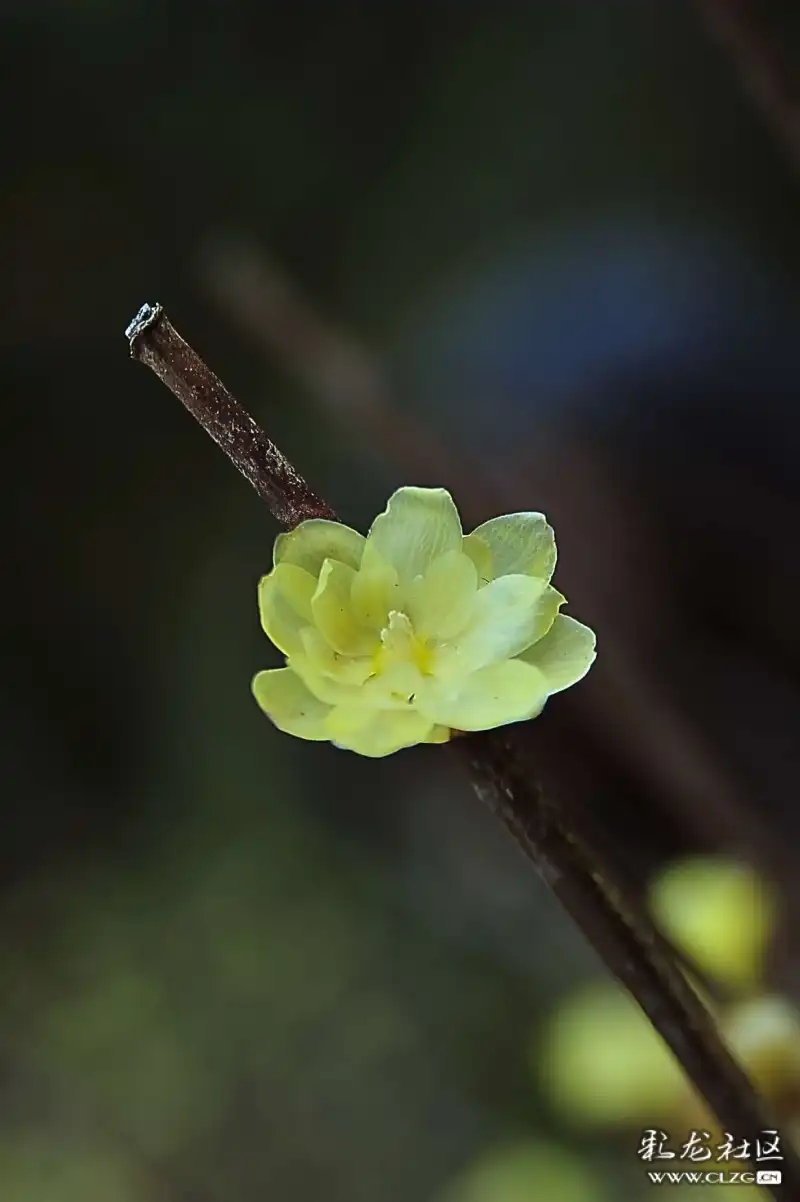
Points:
[[417, 630]]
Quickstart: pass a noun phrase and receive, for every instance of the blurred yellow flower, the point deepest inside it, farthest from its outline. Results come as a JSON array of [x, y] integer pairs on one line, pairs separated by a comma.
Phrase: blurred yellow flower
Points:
[[601, 1061], [720, 913], [416, 630]]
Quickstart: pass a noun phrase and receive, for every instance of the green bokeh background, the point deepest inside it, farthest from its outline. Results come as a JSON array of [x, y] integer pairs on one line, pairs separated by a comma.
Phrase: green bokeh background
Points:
[[234, 966]]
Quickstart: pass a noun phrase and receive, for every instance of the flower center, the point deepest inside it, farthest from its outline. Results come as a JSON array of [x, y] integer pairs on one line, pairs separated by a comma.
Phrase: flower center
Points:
[[401, 648]]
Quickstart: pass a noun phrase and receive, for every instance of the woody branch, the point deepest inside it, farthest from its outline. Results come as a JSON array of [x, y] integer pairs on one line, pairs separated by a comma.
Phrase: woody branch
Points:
[[524, 796]]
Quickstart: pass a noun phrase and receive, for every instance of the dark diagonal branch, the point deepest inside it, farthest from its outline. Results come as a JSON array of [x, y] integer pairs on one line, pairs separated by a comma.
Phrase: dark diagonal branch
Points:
[[155, 342], [346, 384], [326, 361], [740, 28], [523, 792]]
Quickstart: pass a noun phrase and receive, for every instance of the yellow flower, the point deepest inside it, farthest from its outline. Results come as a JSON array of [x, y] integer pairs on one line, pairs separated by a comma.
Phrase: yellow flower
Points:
[[763, 1033], [720, 913], [603, 1063], [416, 630]]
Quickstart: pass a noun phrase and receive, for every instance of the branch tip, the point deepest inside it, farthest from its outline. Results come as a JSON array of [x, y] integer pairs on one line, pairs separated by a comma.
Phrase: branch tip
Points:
[[144, 320]]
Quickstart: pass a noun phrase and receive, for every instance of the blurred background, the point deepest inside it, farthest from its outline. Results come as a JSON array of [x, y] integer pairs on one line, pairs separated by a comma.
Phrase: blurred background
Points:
[[543, 254]]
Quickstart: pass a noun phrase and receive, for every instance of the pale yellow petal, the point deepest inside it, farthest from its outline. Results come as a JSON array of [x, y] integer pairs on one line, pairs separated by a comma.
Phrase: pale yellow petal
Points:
[[288, 703], [417, 526], [564, 655], [441, 602], [330, 689], [398, 663], [398, 641], [354, 682], [314, 541], [508, 615], [333, 611], [345, 669], [501, 693], [348, 719], [439, 734], [375, 593], [520, 543], [377, 733], [481, 555], [284, 602], [396, 685]]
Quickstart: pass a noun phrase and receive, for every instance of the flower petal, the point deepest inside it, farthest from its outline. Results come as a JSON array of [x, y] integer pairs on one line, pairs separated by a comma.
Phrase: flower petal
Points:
[[287, 702], [496, 695], [333, 611], [325, 688], [398, 664], [520, 543], [348, 719], [508, 615], [441, 603], [440, 734], [481, 555], [565, 654], [324, 661], [417, 526], [284, 602], [355, 682], [376, 733], [375, 592], [314, 541], [330, 676]]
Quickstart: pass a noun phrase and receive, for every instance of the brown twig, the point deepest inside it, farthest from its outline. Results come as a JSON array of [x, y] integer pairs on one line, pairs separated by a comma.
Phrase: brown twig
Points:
[[330, 364], [221, 416], [638, 723], [543, 824], [740, 28]]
